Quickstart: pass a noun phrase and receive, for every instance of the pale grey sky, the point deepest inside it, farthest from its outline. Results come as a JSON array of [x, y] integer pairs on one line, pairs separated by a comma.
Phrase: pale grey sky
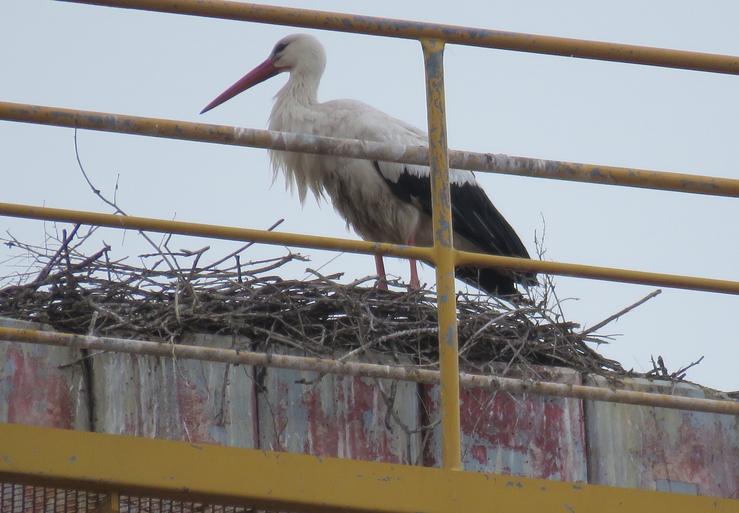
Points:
[[540, 106]]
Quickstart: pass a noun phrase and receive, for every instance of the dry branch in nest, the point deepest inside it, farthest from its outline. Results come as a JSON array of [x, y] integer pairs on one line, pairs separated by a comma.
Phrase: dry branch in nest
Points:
[[89, 293], [171, 293]]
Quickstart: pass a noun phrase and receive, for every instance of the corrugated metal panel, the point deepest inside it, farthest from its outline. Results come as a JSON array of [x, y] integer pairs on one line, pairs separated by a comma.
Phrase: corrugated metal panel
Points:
[[36, 385], [338, 416], [534, 436], [175, 399], [218, 400], [522, 435], [657, 448]]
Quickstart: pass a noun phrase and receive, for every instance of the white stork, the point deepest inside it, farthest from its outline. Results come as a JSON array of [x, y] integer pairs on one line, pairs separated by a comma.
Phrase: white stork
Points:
[[382, 201]]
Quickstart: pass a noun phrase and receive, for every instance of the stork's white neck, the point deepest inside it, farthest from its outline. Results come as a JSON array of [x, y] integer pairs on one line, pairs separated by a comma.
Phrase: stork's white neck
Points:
[[301, 88], [298, 94]]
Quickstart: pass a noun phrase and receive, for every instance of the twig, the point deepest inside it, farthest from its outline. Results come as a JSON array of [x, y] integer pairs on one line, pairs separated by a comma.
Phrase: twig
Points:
[[620, 313], [318, 316], [113, 204], [241, 249], [679, 375], [47, 268]]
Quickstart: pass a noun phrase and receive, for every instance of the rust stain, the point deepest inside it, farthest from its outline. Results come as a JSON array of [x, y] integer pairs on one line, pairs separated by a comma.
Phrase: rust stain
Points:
[[523, 435], [35, 390], [337, 416], [646, 447]]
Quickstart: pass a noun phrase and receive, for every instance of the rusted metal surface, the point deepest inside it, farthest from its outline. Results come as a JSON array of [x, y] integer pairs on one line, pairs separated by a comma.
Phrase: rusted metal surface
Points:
[[341, 416], [175, 399], [659, 449], [389, 27], [306, 143], [517, 434], [347, 416], [36, 385]]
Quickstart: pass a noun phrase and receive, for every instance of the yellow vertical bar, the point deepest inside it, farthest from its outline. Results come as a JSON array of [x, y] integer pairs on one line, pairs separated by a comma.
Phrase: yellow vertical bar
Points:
[[433, 52], [111, 504]]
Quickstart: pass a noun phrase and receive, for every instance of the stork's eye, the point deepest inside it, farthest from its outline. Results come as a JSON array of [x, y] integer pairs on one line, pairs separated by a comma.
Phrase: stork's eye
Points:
[[279, 48]]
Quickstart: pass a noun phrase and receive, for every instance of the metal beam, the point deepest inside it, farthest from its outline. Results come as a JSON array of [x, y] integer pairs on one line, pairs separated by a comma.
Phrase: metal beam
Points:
[[389, 27], [305, 143], [213, 231], [295, 482], [344, 368], [358, 246], [599, 273], [446, 297]]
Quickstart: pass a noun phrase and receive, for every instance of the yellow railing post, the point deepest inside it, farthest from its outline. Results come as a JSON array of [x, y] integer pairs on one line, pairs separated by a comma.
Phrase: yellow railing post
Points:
[[433, 51], [111, 504]]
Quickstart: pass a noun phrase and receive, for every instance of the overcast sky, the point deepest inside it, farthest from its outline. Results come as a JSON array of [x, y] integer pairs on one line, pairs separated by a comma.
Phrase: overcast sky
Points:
[[170, 66]]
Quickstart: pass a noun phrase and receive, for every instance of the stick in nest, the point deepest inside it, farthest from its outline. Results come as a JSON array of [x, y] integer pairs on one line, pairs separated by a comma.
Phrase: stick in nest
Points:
[[318, 316]]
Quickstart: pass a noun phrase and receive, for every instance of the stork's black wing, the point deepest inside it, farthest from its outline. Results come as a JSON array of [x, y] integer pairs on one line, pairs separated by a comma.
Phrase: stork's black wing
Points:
[[474, 217]]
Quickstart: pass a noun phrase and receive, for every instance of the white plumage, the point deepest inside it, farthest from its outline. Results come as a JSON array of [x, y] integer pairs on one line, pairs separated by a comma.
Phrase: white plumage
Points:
[[381, 201]]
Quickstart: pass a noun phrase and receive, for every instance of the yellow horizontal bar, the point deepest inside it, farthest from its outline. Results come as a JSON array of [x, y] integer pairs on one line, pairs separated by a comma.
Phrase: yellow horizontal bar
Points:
[[356, 246], [600, 273], [489, 162], [214, 231], [369, 370], [295, 482], [389, 27]]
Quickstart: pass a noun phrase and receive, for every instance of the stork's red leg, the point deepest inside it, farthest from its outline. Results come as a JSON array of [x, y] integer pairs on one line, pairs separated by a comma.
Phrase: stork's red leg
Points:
[[382, 278], [415, 282]]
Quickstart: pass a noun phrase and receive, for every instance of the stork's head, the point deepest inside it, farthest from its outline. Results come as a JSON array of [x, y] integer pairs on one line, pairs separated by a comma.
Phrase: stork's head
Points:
[[298, 54]]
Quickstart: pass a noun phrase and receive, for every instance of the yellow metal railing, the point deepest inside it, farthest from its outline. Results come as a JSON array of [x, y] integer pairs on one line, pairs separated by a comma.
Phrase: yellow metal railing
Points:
[[307, 143], [433, 38], [444, 255], [412, 374], [370, 248], [407, 29], [280, 481]]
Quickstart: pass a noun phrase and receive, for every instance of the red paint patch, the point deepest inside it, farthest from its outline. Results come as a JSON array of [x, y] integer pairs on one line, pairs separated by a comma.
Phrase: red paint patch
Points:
[[39, 392], [522, 434]]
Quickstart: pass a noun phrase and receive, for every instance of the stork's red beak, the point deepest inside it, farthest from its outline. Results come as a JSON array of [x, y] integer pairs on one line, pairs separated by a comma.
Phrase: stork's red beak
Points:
[[259, 74]]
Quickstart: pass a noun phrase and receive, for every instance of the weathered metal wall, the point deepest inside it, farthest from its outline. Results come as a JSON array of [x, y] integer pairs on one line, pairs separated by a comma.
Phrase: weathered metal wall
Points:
[[175, 399], [340, 416], [524, 435], [662, 449], [39, 386], [554, 438]]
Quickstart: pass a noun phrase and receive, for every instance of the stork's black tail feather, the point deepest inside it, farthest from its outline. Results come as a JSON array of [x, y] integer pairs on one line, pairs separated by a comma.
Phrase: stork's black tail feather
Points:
[[495, 282], [475, 218]]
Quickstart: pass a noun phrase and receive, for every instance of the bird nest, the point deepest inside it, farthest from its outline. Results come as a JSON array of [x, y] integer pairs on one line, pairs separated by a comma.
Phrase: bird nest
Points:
[[167, 294]]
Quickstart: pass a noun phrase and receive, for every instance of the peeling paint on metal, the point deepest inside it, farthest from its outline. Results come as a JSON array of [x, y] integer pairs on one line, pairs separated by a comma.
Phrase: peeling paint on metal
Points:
[[33, 387], [451, 336], [176, 399], [632, 446], [662, 449], [485, 162], [338, 416], [521, 435]]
